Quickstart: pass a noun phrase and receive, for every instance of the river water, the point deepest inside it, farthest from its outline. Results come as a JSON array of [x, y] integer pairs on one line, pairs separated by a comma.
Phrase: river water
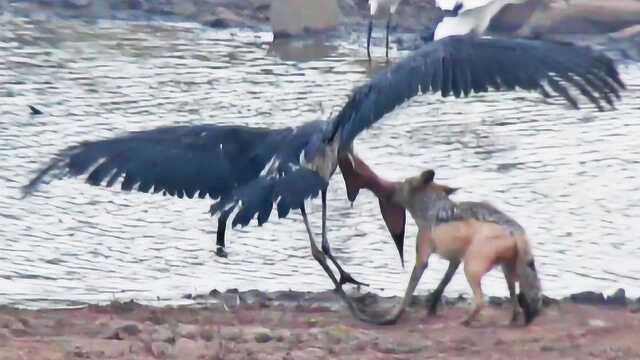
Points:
[[572, 178]]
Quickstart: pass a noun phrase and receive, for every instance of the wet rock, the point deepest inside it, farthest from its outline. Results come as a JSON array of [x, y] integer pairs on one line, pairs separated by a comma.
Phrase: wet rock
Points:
[[299, 17], [160, 349], [255, 297], [618, 298], [588, 298], [634, 307], [496, 301], [582, 17], [548, 301], [262, 336], [222, 17]]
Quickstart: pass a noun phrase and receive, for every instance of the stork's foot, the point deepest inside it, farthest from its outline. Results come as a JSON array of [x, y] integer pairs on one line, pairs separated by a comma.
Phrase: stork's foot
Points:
[[221, 252], [346, 278]]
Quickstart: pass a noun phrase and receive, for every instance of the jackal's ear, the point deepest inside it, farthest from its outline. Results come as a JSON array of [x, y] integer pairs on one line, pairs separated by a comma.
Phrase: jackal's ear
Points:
[[450, 190], [427, 176]]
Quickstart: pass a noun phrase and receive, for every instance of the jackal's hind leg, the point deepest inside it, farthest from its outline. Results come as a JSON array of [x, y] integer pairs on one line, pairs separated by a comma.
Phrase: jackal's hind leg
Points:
[[509, 275]]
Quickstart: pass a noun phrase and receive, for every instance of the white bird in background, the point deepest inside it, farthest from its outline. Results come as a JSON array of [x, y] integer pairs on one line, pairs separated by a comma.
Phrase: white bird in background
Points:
[[468, 16], [378, 6]]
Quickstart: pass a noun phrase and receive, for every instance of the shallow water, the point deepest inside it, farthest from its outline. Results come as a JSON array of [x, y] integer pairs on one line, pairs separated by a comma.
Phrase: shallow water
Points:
[[570, 177]]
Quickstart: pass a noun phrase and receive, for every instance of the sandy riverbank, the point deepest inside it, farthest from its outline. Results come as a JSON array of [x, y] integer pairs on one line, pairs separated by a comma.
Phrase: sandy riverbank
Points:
[[292, 325]]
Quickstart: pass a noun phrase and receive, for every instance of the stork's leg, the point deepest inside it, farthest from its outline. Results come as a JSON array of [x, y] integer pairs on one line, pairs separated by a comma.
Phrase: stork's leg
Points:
[[345, 277], [316, 252], [437, 294], [369, 30], [321, 259], [222, 226], [388, 27]]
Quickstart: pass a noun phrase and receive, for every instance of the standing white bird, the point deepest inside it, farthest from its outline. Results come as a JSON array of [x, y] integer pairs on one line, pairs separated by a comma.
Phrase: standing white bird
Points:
[[378, 6], [468, 16]]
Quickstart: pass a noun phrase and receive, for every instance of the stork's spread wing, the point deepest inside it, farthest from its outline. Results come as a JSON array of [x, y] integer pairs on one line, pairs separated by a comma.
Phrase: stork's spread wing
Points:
[[226, 162], [460, 65]]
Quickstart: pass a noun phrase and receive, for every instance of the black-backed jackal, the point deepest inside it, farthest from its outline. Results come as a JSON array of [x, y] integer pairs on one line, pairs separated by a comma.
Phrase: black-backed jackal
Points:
[[475, 233]]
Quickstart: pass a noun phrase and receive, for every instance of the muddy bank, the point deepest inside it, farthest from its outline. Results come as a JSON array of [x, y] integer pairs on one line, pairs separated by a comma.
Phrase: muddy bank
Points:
[[295, 325]]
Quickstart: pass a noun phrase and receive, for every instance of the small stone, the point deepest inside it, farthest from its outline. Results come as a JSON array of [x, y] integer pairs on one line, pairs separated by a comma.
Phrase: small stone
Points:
[[597, 323], [187, 331], [588, 298], [124, 332], [78, 3], [186, 349], [618, 298], [401, 347], [160, 349], [311, 353], [312, 322], [163, 334], [263, 336], [232, 334], [547, 348]]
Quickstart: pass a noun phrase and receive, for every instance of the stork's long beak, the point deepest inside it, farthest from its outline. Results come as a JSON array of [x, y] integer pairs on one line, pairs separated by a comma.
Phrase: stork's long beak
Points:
[[395, 217]]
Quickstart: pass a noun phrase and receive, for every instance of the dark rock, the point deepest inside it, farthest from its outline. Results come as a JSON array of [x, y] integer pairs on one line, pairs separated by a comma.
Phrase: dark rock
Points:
[[367, 299], [263, 336], [187, 296], [214, 293], [77, 3], [588, 298], [497, 300], [547, 301], [232, 291], [618, 298], [296, 17], [124, 331]]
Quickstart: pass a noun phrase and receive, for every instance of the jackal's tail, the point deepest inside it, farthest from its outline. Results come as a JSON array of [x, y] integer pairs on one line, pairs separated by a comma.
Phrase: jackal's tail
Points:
[[530, 296]]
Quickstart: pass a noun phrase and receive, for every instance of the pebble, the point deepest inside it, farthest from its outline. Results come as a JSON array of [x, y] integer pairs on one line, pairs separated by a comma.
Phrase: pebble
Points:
[[160, 349], [263, 336], [163, 334]]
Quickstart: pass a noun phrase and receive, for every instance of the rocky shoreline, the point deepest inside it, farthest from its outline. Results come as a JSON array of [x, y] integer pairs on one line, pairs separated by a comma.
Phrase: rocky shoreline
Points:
[[304, 325]]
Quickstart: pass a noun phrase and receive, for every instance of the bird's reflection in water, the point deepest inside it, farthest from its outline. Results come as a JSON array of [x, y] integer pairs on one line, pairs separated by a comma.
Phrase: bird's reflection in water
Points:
[[302, 49]]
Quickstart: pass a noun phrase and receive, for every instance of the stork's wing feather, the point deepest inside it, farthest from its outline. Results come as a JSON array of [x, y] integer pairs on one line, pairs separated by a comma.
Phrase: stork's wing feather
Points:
[[250, 167], [460, 65], [181, 161]]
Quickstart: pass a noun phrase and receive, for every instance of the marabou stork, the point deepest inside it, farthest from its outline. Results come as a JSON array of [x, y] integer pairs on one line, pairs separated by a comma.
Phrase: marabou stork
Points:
[[381, 6], [250, 169]]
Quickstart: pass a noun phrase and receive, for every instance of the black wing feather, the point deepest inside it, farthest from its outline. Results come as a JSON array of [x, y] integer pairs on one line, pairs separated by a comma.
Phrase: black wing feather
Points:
[[460, 65], [182, 160]]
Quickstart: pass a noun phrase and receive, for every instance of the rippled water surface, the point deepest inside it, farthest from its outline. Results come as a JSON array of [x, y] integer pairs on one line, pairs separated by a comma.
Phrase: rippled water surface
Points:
[[572, 178]]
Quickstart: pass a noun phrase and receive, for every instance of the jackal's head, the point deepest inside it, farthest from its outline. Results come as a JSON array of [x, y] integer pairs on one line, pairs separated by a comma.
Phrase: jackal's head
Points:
[[423, 183]]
